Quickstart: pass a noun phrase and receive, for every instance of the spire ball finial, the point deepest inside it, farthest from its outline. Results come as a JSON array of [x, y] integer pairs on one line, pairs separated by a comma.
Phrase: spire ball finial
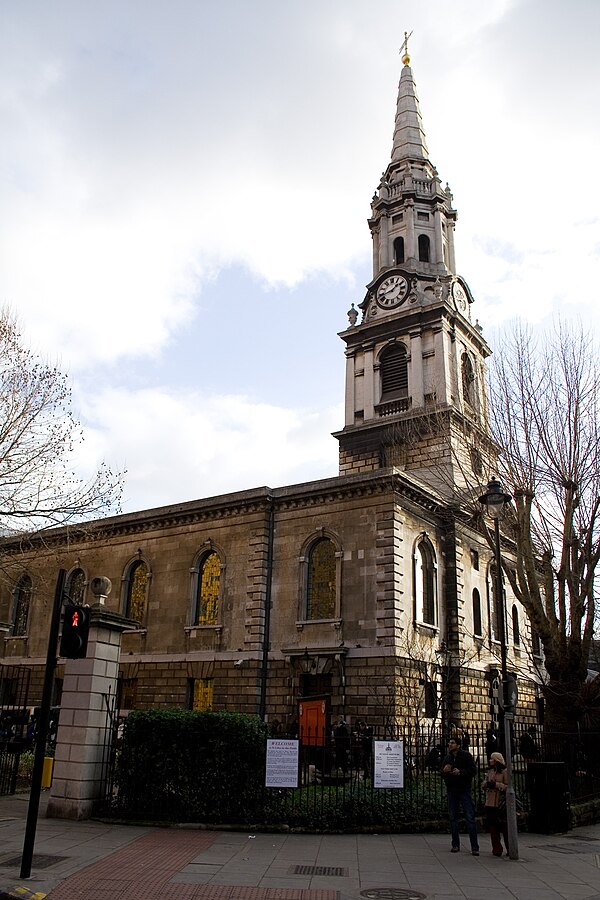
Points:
[[404, 49]]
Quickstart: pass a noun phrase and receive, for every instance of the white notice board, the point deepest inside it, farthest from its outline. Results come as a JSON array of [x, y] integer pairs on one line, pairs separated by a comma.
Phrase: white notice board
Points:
[[389, 764], [282, 763]]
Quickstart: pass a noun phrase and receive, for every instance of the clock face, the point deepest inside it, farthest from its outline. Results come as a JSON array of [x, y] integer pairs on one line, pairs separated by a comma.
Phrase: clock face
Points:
[[392, 291], [460, 297]]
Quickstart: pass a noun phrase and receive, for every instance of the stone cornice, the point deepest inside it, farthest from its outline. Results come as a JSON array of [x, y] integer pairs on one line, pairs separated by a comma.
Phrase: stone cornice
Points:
[[253, 502]]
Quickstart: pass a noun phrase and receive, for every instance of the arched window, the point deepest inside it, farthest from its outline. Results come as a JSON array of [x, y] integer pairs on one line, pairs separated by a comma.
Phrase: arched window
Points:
[[515, 626], [75, 586], [206, 610], [468, 379], [394, 372], [477, 613], [424, 248], [21, 604], [398, 251], [425, 583], [136, 591], [321, 580], [536, 644]]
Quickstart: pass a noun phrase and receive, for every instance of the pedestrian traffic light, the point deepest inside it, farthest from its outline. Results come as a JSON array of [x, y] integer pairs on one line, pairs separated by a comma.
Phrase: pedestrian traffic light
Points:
[[74, 638]]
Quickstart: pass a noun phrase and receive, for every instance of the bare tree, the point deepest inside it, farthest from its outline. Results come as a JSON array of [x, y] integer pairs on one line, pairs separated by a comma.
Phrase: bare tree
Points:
[[545, 398], [38, 433]]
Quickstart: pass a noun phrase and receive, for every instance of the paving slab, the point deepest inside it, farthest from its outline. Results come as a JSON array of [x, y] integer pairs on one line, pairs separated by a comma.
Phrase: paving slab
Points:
[[98, 861]]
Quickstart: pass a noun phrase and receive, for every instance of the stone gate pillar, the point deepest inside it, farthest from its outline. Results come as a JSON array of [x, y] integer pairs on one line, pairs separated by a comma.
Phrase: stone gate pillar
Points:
[[84, 714]]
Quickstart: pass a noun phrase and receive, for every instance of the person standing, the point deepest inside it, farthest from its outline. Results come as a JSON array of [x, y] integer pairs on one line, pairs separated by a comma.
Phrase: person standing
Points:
[[495, 786], [458, 770]]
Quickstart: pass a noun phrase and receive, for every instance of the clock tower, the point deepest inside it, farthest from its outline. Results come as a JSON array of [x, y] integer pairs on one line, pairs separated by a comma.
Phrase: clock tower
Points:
[[415, 363]]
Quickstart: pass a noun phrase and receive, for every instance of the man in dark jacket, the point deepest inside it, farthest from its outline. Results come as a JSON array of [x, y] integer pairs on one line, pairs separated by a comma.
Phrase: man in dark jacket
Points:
[[458, 769]]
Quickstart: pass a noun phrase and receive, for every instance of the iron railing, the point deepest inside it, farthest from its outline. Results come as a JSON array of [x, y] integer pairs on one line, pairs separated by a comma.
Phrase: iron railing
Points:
[[336, 791]]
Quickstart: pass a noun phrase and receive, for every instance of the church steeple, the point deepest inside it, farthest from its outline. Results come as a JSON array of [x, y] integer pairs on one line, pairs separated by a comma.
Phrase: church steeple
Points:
[[415, 371], [412, 218], [409, 136]]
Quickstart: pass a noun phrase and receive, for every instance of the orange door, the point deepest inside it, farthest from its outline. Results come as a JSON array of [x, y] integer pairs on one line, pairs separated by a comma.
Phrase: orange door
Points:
[[313, 715]]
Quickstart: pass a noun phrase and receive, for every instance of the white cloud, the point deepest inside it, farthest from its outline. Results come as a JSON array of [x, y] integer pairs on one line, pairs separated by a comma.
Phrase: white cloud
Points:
[[147, 149], [180, 445]]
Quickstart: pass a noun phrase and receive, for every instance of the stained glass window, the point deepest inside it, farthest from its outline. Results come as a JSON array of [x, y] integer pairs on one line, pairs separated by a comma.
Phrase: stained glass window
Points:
[[21, 605], [76, 586], [137, 590], [202, 694], [209, 587], [321, 588]]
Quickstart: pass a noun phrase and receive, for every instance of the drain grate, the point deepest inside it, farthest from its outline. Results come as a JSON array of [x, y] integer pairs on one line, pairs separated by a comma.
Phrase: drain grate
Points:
[[333, 871], [40, 861], [392, 894]]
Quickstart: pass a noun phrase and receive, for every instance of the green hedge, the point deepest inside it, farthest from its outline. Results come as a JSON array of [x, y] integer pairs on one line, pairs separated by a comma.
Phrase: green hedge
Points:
[[185, 766]]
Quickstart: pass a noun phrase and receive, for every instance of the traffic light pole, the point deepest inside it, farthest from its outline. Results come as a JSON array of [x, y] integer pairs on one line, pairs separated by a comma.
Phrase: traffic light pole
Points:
[[42, 730]]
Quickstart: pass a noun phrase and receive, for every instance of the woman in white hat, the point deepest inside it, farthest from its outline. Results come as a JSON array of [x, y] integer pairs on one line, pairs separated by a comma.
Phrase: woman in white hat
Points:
[[495, 802]]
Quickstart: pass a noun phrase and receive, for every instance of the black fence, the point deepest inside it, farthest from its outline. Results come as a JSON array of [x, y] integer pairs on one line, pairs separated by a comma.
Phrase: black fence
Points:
[[336, 788], [14, 721]]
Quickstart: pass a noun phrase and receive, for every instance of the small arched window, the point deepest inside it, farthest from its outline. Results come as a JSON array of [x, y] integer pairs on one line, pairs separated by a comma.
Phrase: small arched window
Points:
[[536, 644], [394, 372], [468, 380], [136, 591], [477, 614], [21, 605], [425, 583], [515, 626], [75, 587], [398, 251], [424, 248], [321, 580], [208, 593]]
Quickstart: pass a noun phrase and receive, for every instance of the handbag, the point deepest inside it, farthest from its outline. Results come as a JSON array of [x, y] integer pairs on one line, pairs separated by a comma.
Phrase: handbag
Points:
[[518, 804]]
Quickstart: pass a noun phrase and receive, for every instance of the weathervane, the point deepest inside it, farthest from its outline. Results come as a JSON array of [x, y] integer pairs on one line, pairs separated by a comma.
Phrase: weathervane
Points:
[[404, 49]]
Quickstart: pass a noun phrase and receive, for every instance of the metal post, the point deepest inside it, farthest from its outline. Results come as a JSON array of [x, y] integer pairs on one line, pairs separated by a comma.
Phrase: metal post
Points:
[[42, 730], [511, 799], [511, 803]]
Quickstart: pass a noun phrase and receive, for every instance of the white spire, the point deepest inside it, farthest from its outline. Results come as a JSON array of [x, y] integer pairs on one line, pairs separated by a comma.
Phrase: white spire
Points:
[[409, 137]]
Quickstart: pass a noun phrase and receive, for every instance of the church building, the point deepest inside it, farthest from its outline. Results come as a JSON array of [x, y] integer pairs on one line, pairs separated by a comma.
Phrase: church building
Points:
[[368, 594]]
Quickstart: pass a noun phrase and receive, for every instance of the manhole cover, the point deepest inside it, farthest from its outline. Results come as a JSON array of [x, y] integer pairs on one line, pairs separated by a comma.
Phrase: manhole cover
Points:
[[392, 894], [333, 871], [40, 861]]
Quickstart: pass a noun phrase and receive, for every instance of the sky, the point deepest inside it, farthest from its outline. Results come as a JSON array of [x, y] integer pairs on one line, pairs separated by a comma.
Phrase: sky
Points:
[[184, 193]]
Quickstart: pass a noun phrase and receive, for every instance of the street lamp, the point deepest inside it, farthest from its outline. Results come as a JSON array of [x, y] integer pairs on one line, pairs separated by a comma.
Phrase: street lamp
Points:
[[495, 499]]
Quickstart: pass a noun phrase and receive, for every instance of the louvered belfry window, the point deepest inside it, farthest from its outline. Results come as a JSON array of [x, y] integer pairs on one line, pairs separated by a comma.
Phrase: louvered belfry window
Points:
[[394, 372]]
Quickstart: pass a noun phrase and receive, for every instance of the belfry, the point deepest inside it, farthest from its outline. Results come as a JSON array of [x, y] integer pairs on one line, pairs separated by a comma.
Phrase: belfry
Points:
[[415, 363]]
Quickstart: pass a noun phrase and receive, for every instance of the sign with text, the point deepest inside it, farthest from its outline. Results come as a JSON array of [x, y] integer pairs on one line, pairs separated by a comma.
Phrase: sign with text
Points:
[[282, 763], [389, 764]]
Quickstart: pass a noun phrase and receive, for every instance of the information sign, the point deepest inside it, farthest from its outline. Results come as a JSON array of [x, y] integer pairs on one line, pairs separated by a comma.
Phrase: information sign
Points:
[[282, 763], [389, 764]]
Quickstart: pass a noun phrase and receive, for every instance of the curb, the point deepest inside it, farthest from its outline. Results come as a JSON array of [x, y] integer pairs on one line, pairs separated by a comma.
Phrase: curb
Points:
[[21, 893]]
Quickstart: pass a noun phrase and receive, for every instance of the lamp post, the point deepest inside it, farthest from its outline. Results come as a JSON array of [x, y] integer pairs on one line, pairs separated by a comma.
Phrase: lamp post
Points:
[[495, 499]]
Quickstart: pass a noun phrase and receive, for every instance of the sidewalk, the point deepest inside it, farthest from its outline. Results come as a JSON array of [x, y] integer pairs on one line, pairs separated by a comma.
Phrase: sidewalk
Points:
[[96, 861]]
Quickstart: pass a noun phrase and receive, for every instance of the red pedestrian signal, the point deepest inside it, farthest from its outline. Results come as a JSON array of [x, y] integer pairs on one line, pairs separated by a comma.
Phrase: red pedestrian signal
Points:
[[76, 626]]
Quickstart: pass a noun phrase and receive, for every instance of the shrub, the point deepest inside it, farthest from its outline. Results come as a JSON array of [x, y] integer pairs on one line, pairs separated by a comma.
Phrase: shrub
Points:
[[188, 766]]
